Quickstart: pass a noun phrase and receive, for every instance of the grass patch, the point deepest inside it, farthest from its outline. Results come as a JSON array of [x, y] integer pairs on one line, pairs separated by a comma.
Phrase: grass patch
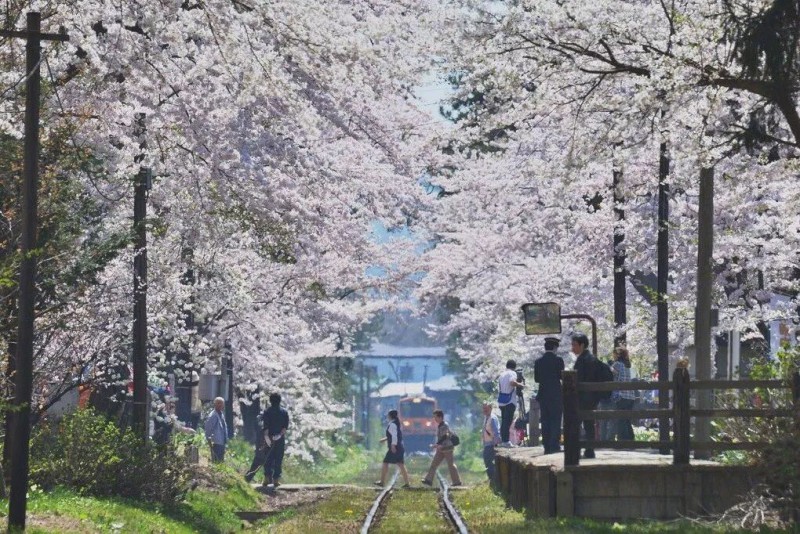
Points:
[[343, 512], [414, 510], [346, 466], [485, 512], [352, 464], [209, 510], [65, 511]]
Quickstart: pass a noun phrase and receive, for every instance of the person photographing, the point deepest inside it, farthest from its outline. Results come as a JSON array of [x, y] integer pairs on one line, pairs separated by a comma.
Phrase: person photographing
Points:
[[508, 385]]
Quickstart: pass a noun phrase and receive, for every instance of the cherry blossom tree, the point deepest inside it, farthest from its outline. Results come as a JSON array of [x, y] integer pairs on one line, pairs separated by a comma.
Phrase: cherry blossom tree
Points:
[[278, 134], [550, 99]]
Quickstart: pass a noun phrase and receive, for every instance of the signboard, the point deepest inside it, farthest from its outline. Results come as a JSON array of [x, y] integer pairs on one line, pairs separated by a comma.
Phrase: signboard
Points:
[[542, 318]]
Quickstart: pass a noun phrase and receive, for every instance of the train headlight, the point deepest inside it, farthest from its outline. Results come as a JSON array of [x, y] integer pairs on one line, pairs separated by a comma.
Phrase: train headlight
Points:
[[406, 423]]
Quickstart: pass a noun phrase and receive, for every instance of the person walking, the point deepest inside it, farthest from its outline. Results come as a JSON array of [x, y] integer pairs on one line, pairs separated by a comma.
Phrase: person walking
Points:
[[217, 431], [624, 399], [585, 367], [490, 437], [395, 453], [547, 373], [275, 421], [260, 455], [444, 451], [505, 400]]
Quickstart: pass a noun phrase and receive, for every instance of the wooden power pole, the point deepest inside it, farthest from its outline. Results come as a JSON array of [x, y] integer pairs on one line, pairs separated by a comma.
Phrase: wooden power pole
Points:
[[620, 273], [23, 380], [141, 404], [702, 321], [662, 310]]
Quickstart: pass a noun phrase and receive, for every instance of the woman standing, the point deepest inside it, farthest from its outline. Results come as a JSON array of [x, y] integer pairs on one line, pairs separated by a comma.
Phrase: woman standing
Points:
[[396, 453], [624, 399]]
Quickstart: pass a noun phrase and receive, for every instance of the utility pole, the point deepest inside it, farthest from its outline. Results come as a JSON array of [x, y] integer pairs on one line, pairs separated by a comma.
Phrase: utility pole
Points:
[[662, 311], [620, 274], [23, 390], [702, 319], [141, 404]]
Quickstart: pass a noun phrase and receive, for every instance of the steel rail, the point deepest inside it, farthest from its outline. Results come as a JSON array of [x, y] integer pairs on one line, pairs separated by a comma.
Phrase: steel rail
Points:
[[452, 512], [377, 504]]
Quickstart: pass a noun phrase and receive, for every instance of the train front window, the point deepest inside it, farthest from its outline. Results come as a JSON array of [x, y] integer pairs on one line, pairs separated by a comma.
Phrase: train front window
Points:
[[417, 409]]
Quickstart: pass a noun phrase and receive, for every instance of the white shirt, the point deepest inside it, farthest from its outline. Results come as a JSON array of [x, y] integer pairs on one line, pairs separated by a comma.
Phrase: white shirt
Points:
[[506, 378], [392, 430]]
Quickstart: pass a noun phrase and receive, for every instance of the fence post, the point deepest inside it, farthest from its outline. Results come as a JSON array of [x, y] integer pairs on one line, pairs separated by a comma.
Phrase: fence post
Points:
[[681, 419], [572, 424], [534, 417]]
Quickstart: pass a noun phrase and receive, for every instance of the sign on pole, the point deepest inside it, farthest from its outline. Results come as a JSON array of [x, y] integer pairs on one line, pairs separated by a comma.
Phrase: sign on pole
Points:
[[542, 318]]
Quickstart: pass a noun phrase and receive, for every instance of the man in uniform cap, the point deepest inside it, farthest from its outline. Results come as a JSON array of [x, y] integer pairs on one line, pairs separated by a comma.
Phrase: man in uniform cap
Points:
[[547, 373]]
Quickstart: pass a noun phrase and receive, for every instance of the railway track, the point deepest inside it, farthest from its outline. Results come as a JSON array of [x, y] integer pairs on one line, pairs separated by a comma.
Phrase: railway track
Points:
[[452, 511], [373, 511], [453, 517]]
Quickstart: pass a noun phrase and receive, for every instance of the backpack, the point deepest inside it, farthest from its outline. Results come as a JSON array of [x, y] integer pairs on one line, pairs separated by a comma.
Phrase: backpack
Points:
[[602, 373]]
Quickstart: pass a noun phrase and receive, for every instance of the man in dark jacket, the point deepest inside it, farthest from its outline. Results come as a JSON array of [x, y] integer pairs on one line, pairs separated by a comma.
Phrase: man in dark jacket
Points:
[[276, 422], [547, 373], [585, 371]]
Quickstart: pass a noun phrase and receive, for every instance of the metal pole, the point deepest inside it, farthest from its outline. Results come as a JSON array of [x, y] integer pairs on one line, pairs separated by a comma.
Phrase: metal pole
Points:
[[662, 324], [594, 327], [366, 410], [362, 404], [140, 393], [620, 275], [702, 321], [23, 391], [230, 396]]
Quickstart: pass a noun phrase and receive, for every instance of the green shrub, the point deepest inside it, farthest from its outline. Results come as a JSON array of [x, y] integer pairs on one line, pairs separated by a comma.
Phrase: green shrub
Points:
[[779, 462], [93, 456]]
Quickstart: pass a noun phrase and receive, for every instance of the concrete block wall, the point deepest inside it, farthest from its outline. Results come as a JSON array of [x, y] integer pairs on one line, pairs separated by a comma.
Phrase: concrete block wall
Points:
[[612, 492]]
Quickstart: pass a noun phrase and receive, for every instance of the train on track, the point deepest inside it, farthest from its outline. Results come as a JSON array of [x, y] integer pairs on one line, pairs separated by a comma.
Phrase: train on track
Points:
[[416, 414]]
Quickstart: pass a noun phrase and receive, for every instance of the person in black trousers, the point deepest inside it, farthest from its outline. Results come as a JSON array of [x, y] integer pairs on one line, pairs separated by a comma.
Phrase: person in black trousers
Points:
[[276, 423], [547, 373], [272, 443], [585, 367], [505, 400], [260, 457]]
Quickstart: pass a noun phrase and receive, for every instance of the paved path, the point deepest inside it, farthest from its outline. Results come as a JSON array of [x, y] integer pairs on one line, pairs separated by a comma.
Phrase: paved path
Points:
[[535, 456]]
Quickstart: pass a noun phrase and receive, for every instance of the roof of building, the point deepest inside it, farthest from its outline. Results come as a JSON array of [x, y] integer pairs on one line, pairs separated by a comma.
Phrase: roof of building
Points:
[[382, 350], [401, 389]]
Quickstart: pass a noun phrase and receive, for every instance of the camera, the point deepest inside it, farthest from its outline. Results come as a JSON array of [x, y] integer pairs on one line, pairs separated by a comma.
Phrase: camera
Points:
[[521, 380]]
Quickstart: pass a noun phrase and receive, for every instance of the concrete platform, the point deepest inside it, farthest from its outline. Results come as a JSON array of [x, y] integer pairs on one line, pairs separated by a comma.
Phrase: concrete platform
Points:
[[618, 485]]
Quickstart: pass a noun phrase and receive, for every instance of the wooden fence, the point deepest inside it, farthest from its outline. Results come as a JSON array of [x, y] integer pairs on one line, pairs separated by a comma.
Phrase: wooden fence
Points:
[[680, 414]]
